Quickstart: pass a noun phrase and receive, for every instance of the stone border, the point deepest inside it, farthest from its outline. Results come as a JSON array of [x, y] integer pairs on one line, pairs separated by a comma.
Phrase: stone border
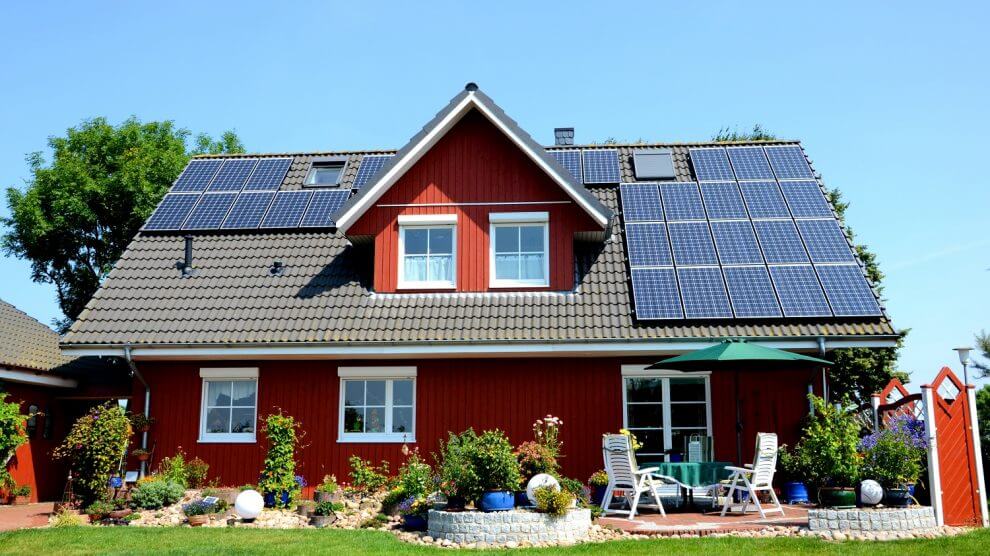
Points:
[[514, 526], [880, 519]]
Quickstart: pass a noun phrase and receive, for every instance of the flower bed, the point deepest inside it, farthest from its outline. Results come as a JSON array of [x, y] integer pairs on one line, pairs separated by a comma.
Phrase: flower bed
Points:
[[505, 527]]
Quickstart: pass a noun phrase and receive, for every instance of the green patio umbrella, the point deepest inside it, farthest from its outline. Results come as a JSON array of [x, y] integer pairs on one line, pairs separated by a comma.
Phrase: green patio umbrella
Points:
[[730, 354]]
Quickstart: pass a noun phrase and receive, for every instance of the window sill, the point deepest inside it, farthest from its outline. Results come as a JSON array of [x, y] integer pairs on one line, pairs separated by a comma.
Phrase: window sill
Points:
[[228, 440], [518, 285], [376, 439], [426, 286]]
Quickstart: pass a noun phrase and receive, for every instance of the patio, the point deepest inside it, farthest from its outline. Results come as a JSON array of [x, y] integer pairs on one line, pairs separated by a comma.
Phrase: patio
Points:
[[675, 523]]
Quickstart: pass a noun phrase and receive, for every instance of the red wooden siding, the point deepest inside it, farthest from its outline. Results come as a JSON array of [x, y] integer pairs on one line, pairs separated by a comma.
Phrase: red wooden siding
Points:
[[473, 163], [32, 463], [452, 395]]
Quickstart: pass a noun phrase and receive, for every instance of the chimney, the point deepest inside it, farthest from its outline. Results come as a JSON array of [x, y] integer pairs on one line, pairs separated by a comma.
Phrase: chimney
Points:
[[563, 136], [185, 265]]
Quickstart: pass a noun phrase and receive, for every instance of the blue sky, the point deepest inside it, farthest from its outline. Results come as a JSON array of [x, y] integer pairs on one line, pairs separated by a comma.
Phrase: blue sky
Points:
[[888, 98]]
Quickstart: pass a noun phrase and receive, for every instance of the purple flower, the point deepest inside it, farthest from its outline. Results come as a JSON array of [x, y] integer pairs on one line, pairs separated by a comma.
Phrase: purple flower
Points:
[[301, 481], [905, 428]]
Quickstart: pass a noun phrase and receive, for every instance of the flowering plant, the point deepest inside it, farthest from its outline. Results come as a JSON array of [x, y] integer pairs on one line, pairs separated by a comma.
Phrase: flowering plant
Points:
[[546, 431], [199, 507], [413, 506], [535, 458], [598, 478], [633, 441], [894, 456]]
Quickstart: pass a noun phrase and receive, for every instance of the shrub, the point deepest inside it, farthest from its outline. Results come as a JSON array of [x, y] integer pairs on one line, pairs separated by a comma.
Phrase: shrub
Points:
[[494, 463], [279, 473], [196, 471], [894, 456], [415, 475], [100, 508], [94, 448], [456, 475], [173, 469], [598, 478], [535, 458], [327, 508], [575, 487], [827, 454], [66, 518], [200, 507], [21, 490], [365, 477], [153, 495], [552, 501], [328, 485], [374, 522], [12, 435]]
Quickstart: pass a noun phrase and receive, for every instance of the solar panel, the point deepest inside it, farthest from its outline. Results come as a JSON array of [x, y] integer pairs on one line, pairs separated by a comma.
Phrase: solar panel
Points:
[[736, 243], [805, 199], [571, 160], [370, 165], [749, 163], [323, 206], [722, 200], [763, 199], [196, 176], [655, 294], [703, 292], [172, 211], [210, 211], [825, 240], [248, 210], [682, 201], [647, 244], [751, 292], [799, 291], [641, 202], [692, 243], [233, 174], [711, 165], [789, 163], [601, 166], [848, 291], [287, 209], [268, 174], [780, 241]]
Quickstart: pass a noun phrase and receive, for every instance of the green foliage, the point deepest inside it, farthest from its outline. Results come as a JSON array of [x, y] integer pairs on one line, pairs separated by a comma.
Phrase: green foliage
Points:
[[535, 458], [494, 463], [173, 469], [983, 346], [892, 461], [983, 418], [457, 475], [196, 471], [77, 213], [327, 508], [827, 454], [100, 508], [329, 485], [155, 494], [21, 490], [552, 501], [573, 486], [12, 435], [598, 478], [415, 477], [95, 447], [367, 478], [726, 135], [379, 520], [140, 421], [279, 472], [66, 518], [201, 507]]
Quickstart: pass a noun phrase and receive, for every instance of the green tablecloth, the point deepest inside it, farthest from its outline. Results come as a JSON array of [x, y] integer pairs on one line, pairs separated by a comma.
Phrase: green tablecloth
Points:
[[692, 474]]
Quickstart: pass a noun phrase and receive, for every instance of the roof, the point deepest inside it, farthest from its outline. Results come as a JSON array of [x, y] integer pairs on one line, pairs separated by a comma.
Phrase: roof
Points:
[[26, 343], [324, 295]]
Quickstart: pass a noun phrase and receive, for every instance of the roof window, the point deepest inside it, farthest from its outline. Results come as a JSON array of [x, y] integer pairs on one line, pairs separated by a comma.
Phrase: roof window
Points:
[[653, 165], [326, 172]]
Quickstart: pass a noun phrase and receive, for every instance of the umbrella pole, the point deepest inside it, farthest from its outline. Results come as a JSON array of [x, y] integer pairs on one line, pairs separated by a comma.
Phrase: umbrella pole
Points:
[[739, 424]]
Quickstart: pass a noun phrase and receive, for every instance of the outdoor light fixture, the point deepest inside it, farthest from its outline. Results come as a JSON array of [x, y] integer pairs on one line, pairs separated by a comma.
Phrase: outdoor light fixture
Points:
[[964, 360]]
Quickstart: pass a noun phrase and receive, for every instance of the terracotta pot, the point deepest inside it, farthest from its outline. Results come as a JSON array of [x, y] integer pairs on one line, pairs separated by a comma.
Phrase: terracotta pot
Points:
[[22, 500], [121, 514], [143, 457], [94, 518], [145, 428], [198, 520]]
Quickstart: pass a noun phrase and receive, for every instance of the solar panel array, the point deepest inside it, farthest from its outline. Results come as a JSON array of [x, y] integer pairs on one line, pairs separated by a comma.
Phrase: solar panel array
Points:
[[243, 193], [754, 237], [370, 165], [571, 161], [601, 166]]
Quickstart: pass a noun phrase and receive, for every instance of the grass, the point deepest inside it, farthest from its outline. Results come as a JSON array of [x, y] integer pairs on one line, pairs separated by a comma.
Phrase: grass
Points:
[[120, 540]]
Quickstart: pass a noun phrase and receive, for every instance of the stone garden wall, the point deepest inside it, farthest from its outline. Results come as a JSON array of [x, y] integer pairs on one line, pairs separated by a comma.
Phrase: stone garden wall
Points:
[[511, 526], [886, 519]]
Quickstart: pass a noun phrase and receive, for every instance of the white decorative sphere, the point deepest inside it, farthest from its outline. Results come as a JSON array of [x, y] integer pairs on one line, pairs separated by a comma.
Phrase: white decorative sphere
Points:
[[249, 504], [870, 492], [540, 481]]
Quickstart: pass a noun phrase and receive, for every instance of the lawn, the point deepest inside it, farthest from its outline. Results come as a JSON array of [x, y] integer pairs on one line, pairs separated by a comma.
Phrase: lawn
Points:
[[108, 540]]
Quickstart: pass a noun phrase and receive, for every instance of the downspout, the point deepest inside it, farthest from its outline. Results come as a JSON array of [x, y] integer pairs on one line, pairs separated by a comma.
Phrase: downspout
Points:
[[821, 354], [147, 398]]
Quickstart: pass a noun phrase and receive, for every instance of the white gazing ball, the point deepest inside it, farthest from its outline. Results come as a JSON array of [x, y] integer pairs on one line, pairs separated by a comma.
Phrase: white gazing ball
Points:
[[538, 481], [249, 504], [870, 492]]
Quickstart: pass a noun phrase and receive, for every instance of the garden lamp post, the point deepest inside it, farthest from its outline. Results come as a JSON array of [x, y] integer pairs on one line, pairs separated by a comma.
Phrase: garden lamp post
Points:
[[964, 360]]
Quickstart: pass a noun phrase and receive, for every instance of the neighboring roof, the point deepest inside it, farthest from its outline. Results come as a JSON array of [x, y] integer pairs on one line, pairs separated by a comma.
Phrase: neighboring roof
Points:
[[25, 343], [469, 99], [324, 295]]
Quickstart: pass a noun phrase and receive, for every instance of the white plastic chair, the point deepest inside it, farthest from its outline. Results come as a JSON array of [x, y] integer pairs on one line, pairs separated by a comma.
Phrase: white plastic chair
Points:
[[757, 477], [624, 473]]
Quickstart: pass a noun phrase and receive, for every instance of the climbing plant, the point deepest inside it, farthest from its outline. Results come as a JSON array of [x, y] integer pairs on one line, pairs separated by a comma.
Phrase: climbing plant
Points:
[[94, 448], [279, 472], [12, 435]]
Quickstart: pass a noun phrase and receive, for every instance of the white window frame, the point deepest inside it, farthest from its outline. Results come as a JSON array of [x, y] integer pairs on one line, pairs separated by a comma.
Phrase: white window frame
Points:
[[640, 371], [513, 219], [227, 374], [388, 374], [427, 221]]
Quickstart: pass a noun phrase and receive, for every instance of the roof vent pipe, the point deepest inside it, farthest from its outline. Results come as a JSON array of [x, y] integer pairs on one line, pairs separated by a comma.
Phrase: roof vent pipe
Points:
[[186, 265], [563, 136]]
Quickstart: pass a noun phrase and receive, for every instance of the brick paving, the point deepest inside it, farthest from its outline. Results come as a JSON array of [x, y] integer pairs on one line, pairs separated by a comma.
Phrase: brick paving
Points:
[[652, 523], [22, 517]]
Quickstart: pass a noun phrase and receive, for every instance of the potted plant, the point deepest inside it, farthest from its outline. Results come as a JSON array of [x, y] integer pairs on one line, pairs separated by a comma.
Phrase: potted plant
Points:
[[141, 454], [414, 511], [324, 513], [828, 454], [120, 509], [99, 510], [198, 512], [793, 489], [598, 481], [328, 490], [893, 457], [21, 494], [279, 483], [497, 470], [456, 476], [141, 422], [305, 507], [534, 458]]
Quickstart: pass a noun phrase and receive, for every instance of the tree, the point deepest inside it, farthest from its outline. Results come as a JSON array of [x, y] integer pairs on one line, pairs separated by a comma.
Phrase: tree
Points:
[[983, 344], [983, 419], [76, 214]]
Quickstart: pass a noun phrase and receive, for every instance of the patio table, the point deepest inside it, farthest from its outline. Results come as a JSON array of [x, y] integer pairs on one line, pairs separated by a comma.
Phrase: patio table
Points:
[[691, 474]]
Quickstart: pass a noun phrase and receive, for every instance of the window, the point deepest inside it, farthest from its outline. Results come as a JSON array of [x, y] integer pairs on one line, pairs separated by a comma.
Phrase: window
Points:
[[377, 404], [427, 251], [519, 249], [325, 172], [663, 409], [229, 405]]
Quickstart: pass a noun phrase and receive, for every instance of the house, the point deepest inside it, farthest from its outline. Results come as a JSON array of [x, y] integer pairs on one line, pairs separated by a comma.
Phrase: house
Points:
[[475, 278]]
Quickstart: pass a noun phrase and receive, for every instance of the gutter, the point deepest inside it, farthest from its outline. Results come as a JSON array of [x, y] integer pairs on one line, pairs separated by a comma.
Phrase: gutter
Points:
[[147, 398]]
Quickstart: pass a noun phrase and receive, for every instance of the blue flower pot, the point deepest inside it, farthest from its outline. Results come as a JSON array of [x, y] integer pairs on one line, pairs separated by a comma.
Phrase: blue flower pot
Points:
[[598, 495], [270, 499], [794, 491], [414, 522], [521, 499], [497, 501]]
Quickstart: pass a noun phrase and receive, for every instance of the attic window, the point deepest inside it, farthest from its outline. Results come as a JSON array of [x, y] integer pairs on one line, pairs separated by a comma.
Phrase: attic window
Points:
[[652, 165], [326, 172]]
